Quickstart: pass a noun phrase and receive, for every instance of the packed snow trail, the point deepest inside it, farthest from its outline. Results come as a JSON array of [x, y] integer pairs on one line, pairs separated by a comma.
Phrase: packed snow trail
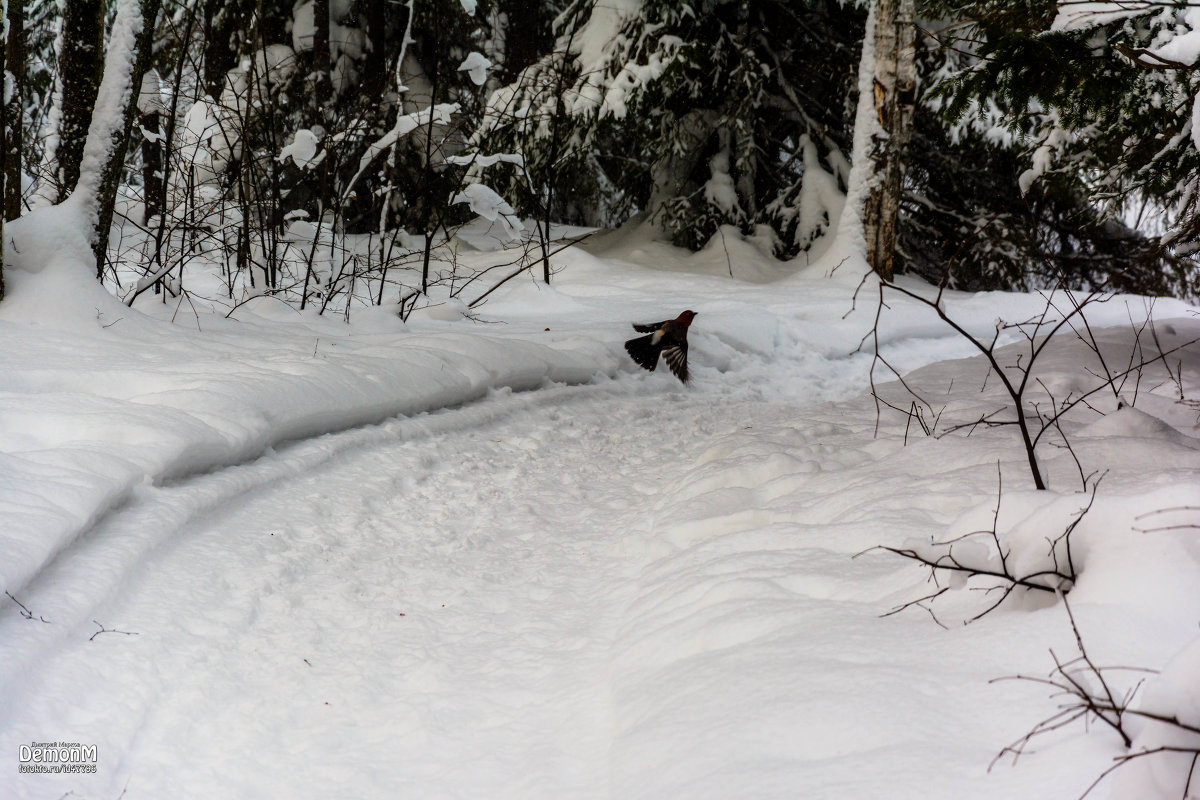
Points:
[[380, 607], [442, 592], [604, 591]]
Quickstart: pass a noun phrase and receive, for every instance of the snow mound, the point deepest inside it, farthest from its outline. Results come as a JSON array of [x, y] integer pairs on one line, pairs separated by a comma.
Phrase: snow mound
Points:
[[1134, 423], [86, 418], [1167, 775]]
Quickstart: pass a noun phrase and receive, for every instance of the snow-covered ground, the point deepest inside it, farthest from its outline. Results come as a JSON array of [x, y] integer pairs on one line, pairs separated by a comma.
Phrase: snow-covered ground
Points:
[[279, 556]]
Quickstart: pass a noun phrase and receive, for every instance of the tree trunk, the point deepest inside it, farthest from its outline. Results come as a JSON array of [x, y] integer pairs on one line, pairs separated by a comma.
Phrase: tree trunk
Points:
[[245, 186], [745, 162], [220, 52], [14, 49], [895, 98], [376, 71], [4, 113], [321, 79], [150, 108], [556, 143], [80, 68], [113, 139], [323, 99], [671, 174], [526, 36]]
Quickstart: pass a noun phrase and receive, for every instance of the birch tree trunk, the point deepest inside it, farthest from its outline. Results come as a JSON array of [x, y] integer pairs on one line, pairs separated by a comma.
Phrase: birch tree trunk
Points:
[[895, 84]]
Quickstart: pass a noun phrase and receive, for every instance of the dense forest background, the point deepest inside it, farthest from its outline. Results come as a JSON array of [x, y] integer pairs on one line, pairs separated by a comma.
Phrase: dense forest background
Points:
[[1035, 144]]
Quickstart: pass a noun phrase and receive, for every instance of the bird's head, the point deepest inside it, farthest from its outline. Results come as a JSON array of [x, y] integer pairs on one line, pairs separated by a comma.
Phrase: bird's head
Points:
[[686, 317]]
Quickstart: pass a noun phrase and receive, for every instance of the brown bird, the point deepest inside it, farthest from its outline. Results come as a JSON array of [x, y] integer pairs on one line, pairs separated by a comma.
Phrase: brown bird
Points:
[[668, 338]]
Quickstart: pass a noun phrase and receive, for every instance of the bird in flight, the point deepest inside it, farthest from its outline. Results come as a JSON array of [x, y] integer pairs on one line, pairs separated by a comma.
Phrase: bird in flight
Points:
[[668, 338]]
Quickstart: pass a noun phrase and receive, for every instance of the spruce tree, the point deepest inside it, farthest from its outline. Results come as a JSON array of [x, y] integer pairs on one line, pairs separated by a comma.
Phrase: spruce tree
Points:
[[700, 115], [1095, 125]]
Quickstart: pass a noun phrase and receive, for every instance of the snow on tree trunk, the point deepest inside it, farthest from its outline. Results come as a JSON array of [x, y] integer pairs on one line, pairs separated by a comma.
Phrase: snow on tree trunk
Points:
[[862, 177], [80, 66], [129, 49], [14, 96], [893, 91]]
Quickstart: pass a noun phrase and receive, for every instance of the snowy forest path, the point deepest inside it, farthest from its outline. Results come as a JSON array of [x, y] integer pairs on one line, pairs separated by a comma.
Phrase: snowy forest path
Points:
[[611, 591], [451, 582]]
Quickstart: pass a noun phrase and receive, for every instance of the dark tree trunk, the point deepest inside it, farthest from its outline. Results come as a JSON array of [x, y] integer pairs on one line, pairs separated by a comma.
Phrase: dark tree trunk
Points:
[[220, 52], [527, 35], [376, 77], [150, 121], [321, 79], [14, 49], [80, 68], [322, 97], [4, 114]]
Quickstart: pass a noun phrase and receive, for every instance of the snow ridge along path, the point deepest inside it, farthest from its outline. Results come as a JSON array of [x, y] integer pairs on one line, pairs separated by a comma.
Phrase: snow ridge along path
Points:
[[83, 422]]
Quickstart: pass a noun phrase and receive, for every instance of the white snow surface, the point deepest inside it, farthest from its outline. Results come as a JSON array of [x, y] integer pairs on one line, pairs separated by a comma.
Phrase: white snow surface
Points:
[[1082, 14], [1183, 48], [281, 556]]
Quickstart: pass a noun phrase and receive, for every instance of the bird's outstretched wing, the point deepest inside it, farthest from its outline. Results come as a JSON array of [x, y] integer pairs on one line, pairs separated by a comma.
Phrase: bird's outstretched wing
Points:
[[649, 327], [644, 351], [676, 357]]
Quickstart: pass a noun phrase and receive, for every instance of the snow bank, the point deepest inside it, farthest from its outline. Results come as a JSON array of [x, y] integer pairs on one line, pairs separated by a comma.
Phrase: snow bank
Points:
[[1174, 694], [748, 633], [97, 398]]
